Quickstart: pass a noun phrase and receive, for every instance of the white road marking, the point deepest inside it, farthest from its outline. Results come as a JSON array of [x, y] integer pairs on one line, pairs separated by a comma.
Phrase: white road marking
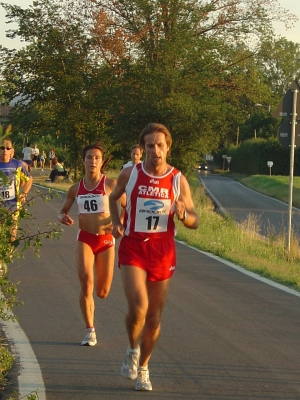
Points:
[[246, 272], [30, 378]]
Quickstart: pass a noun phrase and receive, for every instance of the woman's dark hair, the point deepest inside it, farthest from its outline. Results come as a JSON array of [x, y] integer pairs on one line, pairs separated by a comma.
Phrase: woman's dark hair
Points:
[[97, 145]]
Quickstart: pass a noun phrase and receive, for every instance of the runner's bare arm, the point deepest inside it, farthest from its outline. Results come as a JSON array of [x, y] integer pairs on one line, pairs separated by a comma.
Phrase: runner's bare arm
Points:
[[118, 197], [63, 216], [25, 189], [184, 206]]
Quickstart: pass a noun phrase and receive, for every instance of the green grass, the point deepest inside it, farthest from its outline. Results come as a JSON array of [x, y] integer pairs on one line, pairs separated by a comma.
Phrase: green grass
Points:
[[275, 186]]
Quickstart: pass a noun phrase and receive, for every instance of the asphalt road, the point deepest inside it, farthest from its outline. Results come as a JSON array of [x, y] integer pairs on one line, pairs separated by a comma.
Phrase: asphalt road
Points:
[[239, 201], [225, 334]]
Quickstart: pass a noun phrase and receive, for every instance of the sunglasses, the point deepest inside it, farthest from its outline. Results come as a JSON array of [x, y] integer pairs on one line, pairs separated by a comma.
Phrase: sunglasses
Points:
[[3, 148]]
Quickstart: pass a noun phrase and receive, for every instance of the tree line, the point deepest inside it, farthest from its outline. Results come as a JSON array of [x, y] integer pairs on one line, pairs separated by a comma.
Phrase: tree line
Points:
[[103, 69]]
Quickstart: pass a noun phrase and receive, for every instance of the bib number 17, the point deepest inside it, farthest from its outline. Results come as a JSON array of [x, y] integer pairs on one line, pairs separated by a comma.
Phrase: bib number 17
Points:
[[152, 223]]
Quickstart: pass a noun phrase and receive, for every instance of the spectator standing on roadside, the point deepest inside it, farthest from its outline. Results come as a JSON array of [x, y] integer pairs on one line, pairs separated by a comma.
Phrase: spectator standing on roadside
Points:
[[136, 155], [35, 155], [27, 156], [155, 193], [42, 159], [95, 249], [51, 156]]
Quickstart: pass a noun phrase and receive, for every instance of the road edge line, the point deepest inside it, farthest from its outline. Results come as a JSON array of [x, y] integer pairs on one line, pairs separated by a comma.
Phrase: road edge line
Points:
[[30, 378], [245, 271]]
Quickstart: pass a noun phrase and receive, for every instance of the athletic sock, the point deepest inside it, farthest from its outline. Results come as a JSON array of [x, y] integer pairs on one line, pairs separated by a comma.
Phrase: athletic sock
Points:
[[133, 350]]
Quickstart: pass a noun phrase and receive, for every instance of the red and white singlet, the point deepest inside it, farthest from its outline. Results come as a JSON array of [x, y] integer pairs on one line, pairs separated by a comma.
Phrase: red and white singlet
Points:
[[150, 203], [92, 201]]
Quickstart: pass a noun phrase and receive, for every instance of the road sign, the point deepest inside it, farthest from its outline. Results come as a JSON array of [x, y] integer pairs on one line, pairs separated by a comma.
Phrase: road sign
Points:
[[284, 110], [270, 165]]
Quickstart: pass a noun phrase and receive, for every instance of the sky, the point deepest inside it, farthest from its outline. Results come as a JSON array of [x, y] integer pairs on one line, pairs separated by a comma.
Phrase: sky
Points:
[[292, 34]]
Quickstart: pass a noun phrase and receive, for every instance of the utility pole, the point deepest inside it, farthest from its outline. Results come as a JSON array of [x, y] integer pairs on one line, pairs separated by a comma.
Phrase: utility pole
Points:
[[293, 133], [288, 135]]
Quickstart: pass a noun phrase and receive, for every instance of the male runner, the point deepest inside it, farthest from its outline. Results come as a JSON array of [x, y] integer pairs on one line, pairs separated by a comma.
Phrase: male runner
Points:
[[155, 193]]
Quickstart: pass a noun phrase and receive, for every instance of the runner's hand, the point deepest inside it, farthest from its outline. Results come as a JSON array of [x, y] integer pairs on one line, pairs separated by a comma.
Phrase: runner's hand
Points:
[[65, 219]]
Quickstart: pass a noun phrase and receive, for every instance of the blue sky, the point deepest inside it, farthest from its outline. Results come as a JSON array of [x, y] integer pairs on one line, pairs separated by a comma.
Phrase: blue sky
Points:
[[292, 34]]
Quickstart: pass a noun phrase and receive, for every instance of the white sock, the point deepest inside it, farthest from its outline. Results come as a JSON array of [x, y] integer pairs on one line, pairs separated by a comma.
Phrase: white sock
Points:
[[133, 350]]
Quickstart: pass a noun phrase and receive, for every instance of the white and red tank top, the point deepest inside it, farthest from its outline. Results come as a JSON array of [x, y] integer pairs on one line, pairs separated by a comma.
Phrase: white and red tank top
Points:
[[94, 200], [150, 203]]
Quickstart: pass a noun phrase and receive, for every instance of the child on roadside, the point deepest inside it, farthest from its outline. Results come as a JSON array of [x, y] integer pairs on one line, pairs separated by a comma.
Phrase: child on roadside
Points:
[[42, 159]]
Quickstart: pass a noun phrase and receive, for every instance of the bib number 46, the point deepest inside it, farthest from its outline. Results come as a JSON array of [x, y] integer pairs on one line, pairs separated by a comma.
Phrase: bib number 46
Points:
[[90, 205]]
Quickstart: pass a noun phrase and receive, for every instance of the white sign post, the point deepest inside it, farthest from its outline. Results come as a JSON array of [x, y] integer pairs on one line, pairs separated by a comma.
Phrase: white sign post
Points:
[[228, 160], [270, 165], [224, 156]]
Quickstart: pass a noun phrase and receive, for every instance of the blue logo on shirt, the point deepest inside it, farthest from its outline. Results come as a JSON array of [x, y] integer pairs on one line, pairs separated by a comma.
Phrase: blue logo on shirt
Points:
[[154, 204]]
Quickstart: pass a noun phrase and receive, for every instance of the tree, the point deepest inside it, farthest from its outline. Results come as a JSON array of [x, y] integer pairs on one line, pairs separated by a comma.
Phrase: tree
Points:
[[279, 60], [186, 65], [54, 79], [116, 66]]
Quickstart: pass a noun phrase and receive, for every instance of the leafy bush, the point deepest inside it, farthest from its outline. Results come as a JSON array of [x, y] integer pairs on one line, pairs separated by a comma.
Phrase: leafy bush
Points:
[[251, 157], [14, 240]]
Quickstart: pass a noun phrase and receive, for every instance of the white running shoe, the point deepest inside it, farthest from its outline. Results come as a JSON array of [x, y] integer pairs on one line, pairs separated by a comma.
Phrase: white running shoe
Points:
[[90, 338], [130, 363], [143, 381]]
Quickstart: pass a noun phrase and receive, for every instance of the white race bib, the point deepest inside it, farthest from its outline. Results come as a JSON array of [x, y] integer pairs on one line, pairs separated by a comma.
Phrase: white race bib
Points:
[[7, 192], [92, 203], [152, 215]]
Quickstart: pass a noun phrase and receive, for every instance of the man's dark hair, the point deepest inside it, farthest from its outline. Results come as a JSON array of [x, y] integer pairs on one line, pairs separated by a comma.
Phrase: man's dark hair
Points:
[[137, 146]]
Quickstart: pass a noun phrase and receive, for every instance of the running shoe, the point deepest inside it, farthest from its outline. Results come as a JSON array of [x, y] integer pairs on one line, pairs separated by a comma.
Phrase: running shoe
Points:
[[90, 338], [130, 363], [143, 381]]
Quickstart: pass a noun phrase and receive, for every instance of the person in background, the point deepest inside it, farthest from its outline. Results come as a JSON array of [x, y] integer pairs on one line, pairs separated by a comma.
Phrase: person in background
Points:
[[27, 156], [57, 170], [14, 191], [136, 155], [95, 249], [42, 160], [156, 192], [35, 155], [51, 156]]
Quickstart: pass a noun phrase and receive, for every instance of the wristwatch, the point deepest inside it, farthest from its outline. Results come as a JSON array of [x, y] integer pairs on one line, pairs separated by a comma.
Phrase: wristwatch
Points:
[[184, 217]]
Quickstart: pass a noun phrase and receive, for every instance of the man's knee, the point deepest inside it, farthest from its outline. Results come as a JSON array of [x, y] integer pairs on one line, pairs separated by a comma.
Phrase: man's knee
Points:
[[137, 314], [153, 321]]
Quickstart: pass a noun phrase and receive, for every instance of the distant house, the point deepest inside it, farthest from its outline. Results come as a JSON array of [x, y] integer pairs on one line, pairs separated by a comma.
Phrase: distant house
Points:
[[4, 114]]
